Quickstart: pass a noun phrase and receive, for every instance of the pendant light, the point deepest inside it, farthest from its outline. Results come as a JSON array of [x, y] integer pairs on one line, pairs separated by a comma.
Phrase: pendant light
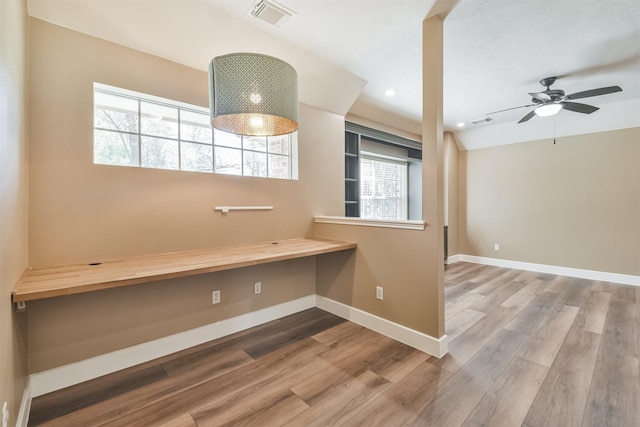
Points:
[[253, 94]]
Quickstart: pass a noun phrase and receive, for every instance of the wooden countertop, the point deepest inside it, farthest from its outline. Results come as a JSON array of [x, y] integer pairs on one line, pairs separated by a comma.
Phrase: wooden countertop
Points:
[[47, 282]]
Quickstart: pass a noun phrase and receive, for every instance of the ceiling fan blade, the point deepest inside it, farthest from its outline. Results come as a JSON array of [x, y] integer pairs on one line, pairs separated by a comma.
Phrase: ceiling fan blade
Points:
[[540, 96], [594, 92], [528, 116], [509, 109], [579, 108]]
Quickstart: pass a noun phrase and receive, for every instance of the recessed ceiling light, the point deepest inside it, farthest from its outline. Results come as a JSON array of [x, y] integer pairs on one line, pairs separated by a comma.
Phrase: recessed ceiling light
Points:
[[390, 92], [460, 125]]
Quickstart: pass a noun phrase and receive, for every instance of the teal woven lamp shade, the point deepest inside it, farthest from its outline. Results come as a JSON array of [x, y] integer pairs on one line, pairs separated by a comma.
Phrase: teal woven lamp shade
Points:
[[253, 94]]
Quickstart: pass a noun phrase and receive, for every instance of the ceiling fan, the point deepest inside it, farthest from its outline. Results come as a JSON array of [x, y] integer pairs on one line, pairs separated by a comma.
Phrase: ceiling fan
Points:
[[551, 101]]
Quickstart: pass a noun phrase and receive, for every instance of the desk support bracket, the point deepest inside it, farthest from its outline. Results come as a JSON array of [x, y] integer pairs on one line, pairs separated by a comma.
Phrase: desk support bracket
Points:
[[21, 306]]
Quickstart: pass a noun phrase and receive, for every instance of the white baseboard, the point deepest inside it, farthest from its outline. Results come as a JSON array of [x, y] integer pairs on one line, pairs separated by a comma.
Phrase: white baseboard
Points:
[[74, 373], [435, 346], [84, 370], [25, 406], [452, 259], [624, 279]]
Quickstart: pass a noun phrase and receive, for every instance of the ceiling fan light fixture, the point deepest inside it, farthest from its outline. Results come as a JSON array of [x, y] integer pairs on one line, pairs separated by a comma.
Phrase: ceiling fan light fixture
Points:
[[253, 94], [548, 110]]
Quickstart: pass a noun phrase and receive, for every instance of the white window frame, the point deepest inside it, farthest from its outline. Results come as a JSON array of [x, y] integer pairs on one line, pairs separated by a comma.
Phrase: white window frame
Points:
[[404, 201], [361, 139], [292, 156]]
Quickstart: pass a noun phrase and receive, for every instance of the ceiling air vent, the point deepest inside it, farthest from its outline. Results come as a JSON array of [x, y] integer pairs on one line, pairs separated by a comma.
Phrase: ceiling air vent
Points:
[[271, 12], [485, 120]]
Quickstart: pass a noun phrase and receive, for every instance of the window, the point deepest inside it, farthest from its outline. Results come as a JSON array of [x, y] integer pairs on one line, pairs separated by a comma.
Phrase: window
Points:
[[383, 187], [383, 175], [134, 129]]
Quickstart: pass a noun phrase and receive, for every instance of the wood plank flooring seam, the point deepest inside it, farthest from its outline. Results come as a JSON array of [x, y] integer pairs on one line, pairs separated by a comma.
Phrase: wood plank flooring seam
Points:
[[461, 394], [588, 332]]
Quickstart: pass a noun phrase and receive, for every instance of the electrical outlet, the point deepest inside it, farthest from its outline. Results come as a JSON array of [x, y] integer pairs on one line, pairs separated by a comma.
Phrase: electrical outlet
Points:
[[496, 247], [215, 297], [379, 292], [257, 287], [5, 415]]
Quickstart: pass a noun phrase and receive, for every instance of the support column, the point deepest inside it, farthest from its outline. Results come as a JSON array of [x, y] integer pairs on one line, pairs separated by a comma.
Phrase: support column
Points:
[[433, 154]]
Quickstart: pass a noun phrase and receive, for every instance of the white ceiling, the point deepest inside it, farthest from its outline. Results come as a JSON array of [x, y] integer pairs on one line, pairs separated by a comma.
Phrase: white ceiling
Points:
[[495, 51]]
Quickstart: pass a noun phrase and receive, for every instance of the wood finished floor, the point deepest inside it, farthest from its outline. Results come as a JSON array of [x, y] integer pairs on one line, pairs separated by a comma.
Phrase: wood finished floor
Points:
[[526, 349]]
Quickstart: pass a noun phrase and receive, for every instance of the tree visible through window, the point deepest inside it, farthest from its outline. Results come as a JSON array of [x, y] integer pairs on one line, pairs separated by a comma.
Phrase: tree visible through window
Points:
[[382, 175], [133, 129], [383, 188]]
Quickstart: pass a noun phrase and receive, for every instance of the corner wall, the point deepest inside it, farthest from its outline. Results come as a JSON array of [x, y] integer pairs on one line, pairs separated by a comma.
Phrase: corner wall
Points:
[[13, 200], [451, 190], [573, 204], [408, 264], [81, 212]]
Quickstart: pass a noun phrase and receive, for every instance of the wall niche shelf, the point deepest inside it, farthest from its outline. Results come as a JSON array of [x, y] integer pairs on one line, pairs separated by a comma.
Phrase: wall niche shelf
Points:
[[352, 174]]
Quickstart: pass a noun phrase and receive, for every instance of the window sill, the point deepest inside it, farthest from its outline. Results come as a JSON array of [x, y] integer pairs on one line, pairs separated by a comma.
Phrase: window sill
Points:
[[366, 222]]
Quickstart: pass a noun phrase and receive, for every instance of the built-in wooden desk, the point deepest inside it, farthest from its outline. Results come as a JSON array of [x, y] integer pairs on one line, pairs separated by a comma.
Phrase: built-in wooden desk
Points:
[[47, 282]]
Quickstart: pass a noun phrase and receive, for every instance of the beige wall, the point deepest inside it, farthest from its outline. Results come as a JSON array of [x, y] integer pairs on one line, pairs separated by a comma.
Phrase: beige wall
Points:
[[394, 127], [13, 200], [408, 264], [82, 212], [397, 260], [68, 329], [573, 204]]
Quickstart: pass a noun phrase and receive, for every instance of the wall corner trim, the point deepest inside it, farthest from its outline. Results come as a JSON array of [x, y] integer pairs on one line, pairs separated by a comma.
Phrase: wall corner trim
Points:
[[623, 279], [25, 406], [452, 259], [435, 346]]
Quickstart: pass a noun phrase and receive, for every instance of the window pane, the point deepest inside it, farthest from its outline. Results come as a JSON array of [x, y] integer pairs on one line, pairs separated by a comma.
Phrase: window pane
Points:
[[115, 148], [196, 157], [278, 166], [159, 153], [226, 139], [159, 120], [228, 160], [195, 127], [383, 189], [115, 112], [135, 129], [255, 164], [279, 144], [255, 143]]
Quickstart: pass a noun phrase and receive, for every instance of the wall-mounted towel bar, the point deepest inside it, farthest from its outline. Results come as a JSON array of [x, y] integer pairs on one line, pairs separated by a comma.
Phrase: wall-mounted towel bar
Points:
[[225, 209]]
